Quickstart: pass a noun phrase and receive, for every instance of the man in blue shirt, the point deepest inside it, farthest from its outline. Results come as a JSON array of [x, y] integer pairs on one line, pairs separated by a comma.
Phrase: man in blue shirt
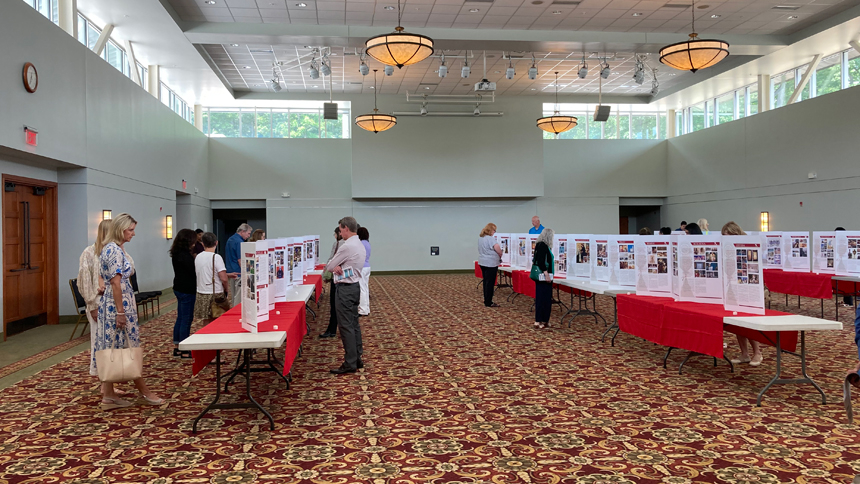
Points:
[[536, 226], [233, 259]]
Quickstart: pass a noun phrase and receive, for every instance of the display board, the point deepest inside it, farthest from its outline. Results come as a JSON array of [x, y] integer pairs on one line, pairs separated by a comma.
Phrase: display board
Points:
[[520, 259], [270, 285], [579, 261], [847, 253], [530, 249], [824, 252], [504, 241], [743, 284], [653, 278], [316, 250], [797, 257], [622, 260], [298, 260], [282, 270], [699, 259], [255, 279], [772, 249], [600, 259], [676, 274], [308, 254], [560, 249]]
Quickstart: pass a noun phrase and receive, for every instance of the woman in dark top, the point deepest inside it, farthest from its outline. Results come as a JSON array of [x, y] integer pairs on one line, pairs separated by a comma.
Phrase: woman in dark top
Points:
[[693, 229], [543, 258], [198, 245], [184, 286]]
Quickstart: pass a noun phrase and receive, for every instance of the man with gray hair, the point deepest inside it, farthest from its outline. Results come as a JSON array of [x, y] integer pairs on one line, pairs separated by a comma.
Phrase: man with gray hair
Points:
[[345, 267], [233, 259]]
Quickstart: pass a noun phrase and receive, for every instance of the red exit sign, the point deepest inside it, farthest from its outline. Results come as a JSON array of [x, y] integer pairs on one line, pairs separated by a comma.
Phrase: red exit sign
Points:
[[31, 136]]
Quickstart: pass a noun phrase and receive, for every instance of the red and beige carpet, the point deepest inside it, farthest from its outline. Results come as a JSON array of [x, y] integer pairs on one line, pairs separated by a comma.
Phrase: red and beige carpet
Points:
[[452, 392]]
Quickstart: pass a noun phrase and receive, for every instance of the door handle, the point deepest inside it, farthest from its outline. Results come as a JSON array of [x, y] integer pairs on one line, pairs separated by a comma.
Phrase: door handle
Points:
[[18, 270]]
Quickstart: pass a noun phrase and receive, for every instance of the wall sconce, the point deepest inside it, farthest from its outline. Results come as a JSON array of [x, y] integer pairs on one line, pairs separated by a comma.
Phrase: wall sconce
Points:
[[765, 221], [169, 226], [106, 215]]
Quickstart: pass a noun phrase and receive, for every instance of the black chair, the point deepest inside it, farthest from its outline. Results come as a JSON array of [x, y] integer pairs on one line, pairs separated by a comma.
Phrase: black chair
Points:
[[80, 307], [144, 298]]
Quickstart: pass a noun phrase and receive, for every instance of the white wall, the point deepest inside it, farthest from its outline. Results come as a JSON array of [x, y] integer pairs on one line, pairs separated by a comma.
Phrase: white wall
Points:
[[108, 143], [761, 163]]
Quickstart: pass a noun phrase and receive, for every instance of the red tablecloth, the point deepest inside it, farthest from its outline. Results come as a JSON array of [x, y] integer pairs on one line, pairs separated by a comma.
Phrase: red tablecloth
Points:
[[315, 279], [478, 273], [319, 267], [806, 284], [690, 326], [849, 288], [522, 283], [291, 320]]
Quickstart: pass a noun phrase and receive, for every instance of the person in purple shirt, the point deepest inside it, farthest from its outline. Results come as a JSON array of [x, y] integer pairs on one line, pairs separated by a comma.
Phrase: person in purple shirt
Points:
[[364, 299]]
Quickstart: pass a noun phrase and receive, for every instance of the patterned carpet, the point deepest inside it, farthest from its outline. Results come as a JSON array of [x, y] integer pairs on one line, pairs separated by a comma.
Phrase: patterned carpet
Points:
[[452, 392]]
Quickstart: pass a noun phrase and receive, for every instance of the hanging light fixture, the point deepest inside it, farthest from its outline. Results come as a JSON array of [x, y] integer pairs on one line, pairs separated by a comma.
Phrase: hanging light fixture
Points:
[[399, 48], [556, 123], [695, 53], [375, 122]]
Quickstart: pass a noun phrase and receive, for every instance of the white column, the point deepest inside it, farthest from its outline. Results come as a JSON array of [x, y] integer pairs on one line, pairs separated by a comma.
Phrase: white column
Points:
[[805, 79], [764, 102], [103, 38], [132, 61], [198, 117], [68, 10], [153, 80], [670, 123]]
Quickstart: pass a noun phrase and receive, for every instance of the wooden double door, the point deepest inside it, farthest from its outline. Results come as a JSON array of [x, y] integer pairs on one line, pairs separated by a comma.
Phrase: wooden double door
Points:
[[30, 253]]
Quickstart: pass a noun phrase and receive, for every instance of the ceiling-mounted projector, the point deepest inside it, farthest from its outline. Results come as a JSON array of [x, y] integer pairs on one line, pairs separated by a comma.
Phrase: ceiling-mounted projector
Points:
[[485, 85]]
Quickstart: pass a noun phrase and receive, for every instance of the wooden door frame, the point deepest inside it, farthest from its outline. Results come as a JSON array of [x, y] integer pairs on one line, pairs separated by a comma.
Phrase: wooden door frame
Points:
[[53, 252]]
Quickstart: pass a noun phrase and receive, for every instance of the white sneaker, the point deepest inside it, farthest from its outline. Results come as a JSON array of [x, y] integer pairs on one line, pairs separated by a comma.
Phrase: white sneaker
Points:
[[756, 360], [736, 361]]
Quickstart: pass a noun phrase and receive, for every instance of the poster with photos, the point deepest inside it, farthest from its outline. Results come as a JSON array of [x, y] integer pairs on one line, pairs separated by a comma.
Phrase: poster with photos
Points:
[[560, 252], [579, 260], [743, 284], [308, 256], [530, 249], [600, 259], [298, 261], [676, 274], [255, 280], [520, 259], [270, 286], [824, 252], [281, 271], [316, 250], [701, 279], [622, 260], [772, 250], [797, 257], [653, 277], [848, 253], [504, 241]]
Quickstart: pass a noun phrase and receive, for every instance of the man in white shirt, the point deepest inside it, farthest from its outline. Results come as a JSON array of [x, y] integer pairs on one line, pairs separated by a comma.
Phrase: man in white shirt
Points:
[[345, 267]]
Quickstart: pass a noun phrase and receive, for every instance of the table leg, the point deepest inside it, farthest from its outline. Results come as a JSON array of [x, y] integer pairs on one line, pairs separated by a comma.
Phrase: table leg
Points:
[[778, 370], [217, 391], [803, 367], [665, 358], [248, 390], [806, 378], [313, 314], [822, 310], [614, 324]]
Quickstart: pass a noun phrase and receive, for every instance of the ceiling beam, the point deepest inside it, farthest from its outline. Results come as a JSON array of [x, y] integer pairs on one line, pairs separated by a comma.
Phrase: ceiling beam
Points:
[[805, 79], [103, 38], [459, 39]]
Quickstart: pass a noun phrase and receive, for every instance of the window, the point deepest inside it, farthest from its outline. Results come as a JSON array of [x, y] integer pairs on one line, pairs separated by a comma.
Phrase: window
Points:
[[625, 122], [709, 113], [753, 100], [305, 120], [853, 68], [644, 126], [48, 8], [662, 126], [782, 87], [697, 117], [726, 108], [828, 76], [177, 104]]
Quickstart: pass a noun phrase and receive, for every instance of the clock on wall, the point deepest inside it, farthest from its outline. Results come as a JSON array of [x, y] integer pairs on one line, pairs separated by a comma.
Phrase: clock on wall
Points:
[[31, 77]]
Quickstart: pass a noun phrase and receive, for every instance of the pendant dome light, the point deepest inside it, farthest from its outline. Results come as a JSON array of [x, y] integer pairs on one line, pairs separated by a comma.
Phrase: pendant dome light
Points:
[[695, 53], [375, 122], [557, 123], [399, 48]]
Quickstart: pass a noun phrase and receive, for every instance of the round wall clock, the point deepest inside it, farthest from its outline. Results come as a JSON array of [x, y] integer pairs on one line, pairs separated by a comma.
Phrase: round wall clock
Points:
[[31, 77]]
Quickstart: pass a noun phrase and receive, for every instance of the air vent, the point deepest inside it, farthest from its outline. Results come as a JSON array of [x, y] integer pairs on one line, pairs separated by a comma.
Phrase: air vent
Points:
[[260, 51], [789, 8], [479, 1], [679, 6], [428, 84], [565, 2]]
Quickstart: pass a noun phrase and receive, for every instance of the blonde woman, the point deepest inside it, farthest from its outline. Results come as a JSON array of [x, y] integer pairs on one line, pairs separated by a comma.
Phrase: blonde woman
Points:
[[703, 226], [489, 258], [117, 324], [91, 285], [732, 228]]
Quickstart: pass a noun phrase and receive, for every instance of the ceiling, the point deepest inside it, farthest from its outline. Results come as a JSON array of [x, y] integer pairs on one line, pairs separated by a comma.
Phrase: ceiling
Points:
[[250, 68]]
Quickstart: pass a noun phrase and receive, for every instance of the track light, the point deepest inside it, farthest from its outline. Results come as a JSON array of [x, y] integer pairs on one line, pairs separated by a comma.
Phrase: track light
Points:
[[583, 71], [423, 111], [477, 111], [464, 73], [276, 86], [533, 71], [605, 70], [325, 68], [655, 84], [443, 69], [389, 70], [363, 69], [510, 72], [314, 71]]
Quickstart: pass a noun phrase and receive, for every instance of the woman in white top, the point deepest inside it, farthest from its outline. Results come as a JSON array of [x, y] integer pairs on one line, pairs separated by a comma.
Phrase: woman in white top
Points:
[[90, 283], [209, 282], [489, 258]]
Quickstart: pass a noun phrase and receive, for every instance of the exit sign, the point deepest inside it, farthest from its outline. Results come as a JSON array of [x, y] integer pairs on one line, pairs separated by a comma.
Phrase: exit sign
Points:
[[31, 136]]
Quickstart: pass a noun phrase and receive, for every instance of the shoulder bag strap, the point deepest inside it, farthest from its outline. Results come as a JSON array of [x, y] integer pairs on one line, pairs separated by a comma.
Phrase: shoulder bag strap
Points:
[[213, 273]]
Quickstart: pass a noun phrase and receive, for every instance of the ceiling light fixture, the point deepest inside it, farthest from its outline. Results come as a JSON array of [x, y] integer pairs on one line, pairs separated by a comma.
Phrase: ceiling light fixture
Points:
[[276, 84], [477, 111], [716, 16], [443, 69], [209, 2], [792, 17], [363, 68], [510, 72], [533, 70], [464, 73], [246, 67], [389, 70], [694, 54], [639, 72], [557, 123], [474, 10], [325, 68], [583, 69], [556, 12], [375, 122], [605, 70], [301, 4], [234, 45], [637, 14], [399, 48], [314, 70], [655, 84], [388, 7]]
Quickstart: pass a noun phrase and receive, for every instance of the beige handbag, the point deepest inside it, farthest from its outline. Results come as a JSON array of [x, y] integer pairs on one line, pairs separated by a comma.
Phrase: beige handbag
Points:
[[119, 364]]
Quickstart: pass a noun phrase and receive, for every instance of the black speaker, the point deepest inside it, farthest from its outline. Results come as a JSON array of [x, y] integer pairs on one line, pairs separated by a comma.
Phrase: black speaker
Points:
[[330, 111], [601, 113]]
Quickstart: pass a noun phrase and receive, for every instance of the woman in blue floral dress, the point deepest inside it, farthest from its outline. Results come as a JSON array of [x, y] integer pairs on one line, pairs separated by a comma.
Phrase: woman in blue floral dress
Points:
[[117, 318]]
